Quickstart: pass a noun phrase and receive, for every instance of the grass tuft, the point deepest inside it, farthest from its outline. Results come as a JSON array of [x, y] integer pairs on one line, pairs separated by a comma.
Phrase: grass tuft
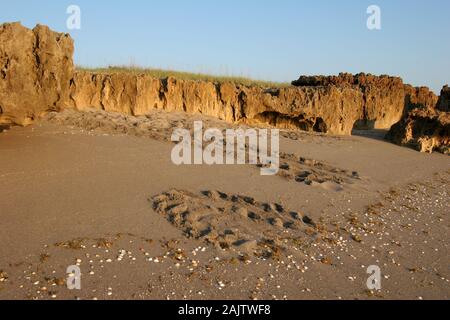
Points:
[[163, 74]]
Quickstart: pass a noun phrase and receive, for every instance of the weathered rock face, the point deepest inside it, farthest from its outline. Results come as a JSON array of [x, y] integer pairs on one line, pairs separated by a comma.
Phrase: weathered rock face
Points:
[[426, 130], [326, 109], [385, 98], [444, 100], [36, 68], [323, 104], [37, 76], [139, 94]]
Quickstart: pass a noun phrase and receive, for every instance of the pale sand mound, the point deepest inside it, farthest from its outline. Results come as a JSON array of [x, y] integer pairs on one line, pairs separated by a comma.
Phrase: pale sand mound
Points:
[[158, 125]]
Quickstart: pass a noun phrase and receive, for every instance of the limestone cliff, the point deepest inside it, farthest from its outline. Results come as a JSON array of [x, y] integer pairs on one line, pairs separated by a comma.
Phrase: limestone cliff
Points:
[[35, 72], [37, 76], [385, 99], [328, 109]]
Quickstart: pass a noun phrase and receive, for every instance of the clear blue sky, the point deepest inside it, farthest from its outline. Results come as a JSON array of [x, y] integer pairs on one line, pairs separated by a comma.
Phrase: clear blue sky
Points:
[[264, 39]]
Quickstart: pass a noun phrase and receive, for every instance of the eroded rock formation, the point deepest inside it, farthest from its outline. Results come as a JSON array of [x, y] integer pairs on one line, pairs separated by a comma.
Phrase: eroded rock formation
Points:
[[444, 100], [37, 76], [426, 129], [35, 72], [385, 99], [328, 109]]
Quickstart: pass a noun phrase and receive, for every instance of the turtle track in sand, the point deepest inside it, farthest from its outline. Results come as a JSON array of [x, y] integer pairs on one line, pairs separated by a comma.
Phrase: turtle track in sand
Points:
[[236, 223]]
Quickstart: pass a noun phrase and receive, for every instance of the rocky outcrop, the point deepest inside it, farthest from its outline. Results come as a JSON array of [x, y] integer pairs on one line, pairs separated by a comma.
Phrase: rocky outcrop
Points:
[[327, 109], [444, 100], [385, 99], [425, 130], [37, 76], [334, 105], [35, 72]]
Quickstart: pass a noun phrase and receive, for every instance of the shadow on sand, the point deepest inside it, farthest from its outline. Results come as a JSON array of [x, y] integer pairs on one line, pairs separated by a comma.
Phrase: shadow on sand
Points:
[[4, 127], [376, 134]]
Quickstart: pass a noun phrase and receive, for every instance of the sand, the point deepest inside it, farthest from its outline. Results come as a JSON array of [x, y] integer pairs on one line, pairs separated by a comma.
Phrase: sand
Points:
[[99, 190]]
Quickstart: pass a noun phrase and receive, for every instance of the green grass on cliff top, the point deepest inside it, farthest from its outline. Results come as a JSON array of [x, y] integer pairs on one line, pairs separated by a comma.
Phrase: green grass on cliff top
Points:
[[162, 74]]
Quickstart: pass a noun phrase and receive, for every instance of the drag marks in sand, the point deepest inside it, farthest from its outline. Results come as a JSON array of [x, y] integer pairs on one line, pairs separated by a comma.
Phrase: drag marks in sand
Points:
[[316, 173], [159, 125]]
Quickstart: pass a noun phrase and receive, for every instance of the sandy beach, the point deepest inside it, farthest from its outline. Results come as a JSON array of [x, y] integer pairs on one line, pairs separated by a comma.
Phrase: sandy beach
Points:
[[89, 189]]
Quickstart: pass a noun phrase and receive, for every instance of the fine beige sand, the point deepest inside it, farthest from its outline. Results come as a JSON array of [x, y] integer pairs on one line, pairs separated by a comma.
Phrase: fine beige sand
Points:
[[99, 190]]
